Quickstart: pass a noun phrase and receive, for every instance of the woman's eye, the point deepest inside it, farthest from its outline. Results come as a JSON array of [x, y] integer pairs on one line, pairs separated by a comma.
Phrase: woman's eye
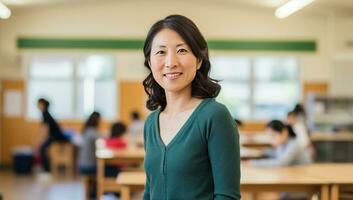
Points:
[[182, 51], [160, 52]]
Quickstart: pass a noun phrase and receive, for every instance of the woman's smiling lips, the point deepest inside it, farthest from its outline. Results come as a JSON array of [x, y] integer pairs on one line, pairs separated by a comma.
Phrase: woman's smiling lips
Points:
[[172, 75]]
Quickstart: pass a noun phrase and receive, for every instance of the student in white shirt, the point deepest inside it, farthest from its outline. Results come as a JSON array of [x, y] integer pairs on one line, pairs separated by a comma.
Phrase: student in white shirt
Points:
[[136, 129], [287, 150]]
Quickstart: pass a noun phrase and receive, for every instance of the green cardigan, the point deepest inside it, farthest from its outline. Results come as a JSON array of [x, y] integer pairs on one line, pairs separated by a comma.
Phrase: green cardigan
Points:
[[202, 161]]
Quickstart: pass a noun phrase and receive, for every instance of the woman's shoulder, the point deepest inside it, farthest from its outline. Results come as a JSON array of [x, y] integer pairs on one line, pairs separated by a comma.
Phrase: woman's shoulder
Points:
[[152, 117], [213, 108]]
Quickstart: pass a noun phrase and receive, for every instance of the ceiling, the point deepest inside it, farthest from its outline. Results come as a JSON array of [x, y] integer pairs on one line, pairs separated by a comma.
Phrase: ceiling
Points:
[[327, 6]]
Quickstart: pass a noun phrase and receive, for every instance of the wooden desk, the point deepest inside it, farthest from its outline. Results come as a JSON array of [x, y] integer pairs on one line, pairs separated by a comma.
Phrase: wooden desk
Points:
[[284, 179], [105, 156], [333, 137], [255, 140], [247, 153], [339, 176], [252, 180], [130, 181]]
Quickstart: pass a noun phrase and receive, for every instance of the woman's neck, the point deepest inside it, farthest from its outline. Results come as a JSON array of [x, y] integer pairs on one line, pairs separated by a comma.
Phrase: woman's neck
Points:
[[179, 102]]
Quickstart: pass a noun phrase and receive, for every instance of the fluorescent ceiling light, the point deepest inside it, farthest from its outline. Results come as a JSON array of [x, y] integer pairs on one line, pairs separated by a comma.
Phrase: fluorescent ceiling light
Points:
[[290, 7], [5, 12]]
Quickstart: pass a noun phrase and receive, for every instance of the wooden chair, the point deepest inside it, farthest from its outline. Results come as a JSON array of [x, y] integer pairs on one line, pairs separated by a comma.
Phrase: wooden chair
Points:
[[88, 181], [62, 154]]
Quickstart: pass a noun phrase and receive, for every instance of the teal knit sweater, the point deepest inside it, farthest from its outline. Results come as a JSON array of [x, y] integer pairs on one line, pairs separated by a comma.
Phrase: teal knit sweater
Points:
[[202, 162]]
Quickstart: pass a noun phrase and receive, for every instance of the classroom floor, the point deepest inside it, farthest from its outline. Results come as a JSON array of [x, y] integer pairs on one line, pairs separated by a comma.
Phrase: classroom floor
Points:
[[23, 187], [38, 187], [15, 187]]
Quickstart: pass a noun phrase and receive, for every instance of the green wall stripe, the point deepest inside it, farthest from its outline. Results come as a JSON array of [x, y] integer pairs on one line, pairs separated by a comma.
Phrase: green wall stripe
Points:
[[78, 44], [255, 45], [137, 44]]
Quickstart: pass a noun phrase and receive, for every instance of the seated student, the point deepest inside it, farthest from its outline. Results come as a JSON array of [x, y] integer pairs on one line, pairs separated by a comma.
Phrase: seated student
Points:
[[115, 141], [50, 132], [299, 128], [296, 120], [86, 157], [287, 151]]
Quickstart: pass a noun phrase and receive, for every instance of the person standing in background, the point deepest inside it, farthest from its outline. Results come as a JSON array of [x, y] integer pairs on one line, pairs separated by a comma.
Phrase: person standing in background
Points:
[[136, 129], [51, 132]]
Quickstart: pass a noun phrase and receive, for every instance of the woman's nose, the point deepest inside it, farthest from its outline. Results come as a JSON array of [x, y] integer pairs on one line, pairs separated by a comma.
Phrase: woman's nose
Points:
[[171, 60]]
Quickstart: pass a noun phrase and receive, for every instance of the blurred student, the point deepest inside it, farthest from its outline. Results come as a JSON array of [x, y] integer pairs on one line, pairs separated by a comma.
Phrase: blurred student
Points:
[[287, 151], [299, 111], [136, 129], [86, 157], [299, 128], [115, 141], [297, 119], [51, 132]]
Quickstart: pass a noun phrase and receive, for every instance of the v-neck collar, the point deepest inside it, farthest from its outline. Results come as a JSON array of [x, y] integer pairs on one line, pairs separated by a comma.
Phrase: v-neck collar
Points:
[[181, 130]]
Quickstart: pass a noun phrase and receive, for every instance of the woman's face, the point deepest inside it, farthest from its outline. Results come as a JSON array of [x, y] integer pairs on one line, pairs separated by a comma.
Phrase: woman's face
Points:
[[172, 62]]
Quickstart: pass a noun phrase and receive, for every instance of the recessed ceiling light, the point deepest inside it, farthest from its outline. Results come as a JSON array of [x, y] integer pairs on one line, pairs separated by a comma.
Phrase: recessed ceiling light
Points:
[[5, 12], [290, 7]]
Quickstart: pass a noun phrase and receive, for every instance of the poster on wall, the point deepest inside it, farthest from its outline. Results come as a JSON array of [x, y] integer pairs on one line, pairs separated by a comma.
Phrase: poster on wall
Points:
[[12, 103]]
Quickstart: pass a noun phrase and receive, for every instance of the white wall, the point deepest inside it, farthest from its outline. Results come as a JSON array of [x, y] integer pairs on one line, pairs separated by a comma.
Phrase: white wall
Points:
[[116, 19]]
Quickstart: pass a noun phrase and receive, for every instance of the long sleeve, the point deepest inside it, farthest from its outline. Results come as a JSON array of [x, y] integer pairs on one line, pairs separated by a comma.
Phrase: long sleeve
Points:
[[269, 153], [146, 193], [224, 155], [283, 158]]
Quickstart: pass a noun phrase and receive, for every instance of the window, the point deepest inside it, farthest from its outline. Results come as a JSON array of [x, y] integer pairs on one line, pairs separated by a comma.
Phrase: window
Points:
[[74, 86], [260, 88]]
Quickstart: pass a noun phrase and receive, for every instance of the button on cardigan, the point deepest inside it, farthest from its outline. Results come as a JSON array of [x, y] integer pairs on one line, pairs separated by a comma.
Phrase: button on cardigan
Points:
[[202, 162]]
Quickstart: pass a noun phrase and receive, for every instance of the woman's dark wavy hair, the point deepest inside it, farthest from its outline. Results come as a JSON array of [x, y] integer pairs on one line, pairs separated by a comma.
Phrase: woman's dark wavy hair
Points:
[[279, 126], [202, 86]]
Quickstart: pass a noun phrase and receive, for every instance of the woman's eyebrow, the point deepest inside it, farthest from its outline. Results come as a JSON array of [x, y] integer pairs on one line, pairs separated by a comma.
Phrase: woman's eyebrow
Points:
[[181, 44]]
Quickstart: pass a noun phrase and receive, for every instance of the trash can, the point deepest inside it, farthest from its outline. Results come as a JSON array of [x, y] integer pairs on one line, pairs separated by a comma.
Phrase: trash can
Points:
[[22, 158]]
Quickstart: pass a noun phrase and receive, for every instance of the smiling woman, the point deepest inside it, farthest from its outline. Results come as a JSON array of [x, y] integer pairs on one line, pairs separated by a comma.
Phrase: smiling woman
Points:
[[169, 50], [191, 142]]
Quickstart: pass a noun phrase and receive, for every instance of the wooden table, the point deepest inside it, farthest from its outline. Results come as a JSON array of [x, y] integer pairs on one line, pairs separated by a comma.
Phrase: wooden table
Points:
[[255, 140], [130, 181], [338, 175], [284, 179], [252, 180], [247, 153], [136, 156], [333, 137], [123, 156]]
